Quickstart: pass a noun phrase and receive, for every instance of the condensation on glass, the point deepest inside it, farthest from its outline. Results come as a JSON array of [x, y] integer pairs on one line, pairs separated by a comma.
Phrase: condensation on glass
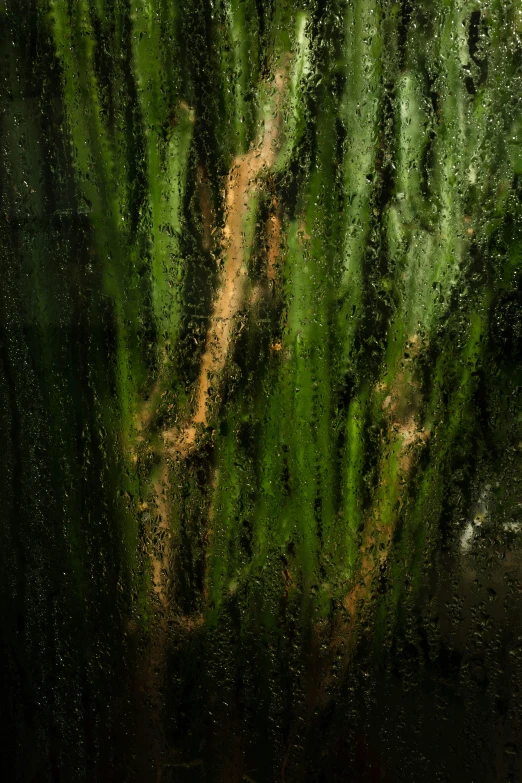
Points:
[[260, 390]]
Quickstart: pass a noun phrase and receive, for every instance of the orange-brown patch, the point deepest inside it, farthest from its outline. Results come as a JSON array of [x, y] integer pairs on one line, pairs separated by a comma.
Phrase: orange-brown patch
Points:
[[240, 187]]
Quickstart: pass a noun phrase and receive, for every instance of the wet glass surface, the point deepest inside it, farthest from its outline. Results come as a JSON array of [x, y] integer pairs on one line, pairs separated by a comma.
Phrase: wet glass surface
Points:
[[261, 390]]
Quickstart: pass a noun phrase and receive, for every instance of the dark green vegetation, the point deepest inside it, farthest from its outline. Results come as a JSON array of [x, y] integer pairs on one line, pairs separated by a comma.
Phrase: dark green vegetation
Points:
[[260, 390]]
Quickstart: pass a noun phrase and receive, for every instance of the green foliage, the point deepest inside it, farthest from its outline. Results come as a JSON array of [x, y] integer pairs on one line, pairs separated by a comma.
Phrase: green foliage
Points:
[[349, 418]]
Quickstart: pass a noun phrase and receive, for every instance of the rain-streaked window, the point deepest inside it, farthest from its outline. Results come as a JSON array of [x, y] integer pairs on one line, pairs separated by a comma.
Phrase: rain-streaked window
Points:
[[261, 391]]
